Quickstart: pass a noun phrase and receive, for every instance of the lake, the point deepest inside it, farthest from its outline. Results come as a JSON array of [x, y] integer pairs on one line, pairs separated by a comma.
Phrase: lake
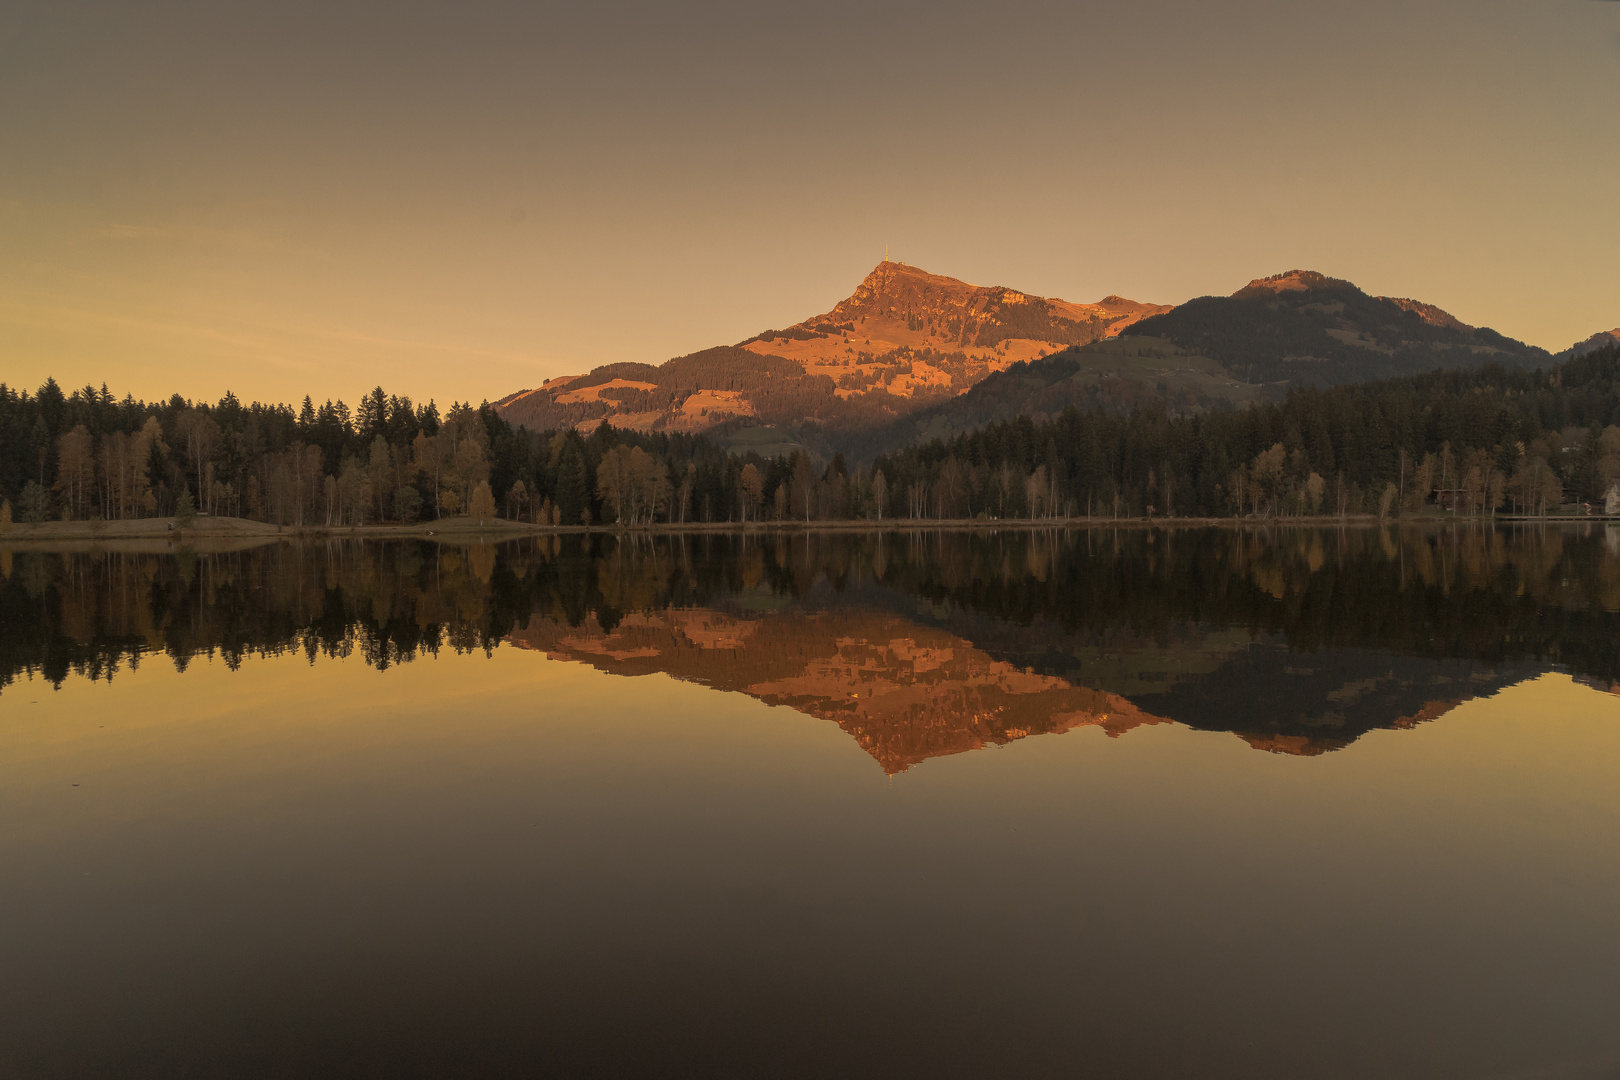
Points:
[[1105, 803]]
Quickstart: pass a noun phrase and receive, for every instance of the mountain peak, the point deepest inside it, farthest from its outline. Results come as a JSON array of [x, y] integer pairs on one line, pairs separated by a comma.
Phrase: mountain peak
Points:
[[1292, 281], [891, 283], [1310, 280], [899, 290]]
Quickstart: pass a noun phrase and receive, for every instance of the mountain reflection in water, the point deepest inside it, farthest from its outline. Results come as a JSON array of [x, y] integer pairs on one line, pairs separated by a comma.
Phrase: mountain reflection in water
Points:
[[915, 644]]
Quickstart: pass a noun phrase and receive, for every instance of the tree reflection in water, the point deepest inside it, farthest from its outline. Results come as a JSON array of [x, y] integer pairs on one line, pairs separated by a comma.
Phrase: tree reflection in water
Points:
[[917, 644]]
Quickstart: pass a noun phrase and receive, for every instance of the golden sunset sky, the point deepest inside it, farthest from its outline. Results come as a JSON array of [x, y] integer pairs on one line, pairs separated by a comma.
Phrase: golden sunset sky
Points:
[[460, 200]]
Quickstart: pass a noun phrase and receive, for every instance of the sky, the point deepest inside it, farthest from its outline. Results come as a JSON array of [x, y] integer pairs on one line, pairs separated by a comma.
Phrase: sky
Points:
[[457, 201]]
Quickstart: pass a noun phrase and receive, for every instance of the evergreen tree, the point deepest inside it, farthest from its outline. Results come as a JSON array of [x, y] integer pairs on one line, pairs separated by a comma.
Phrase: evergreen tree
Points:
[[572, 494]]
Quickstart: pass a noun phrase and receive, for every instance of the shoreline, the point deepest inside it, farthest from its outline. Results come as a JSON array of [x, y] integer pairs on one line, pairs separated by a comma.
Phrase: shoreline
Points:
[[242, 532]]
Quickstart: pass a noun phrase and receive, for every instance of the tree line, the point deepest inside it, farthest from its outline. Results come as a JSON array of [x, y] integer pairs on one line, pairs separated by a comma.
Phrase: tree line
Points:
[[87, 455], [1477, 442]]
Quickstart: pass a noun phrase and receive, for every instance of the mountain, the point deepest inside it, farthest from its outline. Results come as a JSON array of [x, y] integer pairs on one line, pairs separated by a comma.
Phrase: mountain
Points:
[[912, 355], [1300, 328], [1303, 328], [1600, 340], [905, 339]]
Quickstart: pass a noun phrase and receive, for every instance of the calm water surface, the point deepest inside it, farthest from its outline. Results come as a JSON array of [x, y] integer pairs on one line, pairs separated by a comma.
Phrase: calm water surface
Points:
[[1215, 804]]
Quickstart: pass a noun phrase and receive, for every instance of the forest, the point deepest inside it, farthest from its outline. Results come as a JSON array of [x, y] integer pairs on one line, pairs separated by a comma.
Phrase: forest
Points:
[[1478, 441]]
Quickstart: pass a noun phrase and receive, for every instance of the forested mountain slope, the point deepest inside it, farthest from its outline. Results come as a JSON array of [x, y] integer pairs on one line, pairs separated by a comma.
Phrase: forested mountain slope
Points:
[[1305, 329], [1597, 341]]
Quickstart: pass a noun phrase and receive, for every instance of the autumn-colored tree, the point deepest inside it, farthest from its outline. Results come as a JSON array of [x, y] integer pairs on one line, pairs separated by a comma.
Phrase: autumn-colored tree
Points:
[[253, 496], [283, 493], [354, 491], [1267, 474], [634, 483], [1315, 486], [615, 482], [1237, 489], [1387, 500], [751, 486], [112, 467], [1473, 489], [1495, 488], [75, 472], [1035, 492], [482, 504], [471, 467], [1535, 486]]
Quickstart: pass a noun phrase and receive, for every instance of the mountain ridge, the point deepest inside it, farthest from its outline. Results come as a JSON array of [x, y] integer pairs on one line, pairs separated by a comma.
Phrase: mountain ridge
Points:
[[903, 339], [1599, 340], [910, 354], [1299, 328]]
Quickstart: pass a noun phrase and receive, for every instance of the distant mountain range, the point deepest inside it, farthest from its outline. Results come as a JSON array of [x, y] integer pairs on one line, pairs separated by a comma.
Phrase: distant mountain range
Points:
[[913, 355]]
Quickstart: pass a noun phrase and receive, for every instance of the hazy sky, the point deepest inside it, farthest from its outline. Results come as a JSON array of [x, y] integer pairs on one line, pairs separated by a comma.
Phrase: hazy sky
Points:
[[461, 200]]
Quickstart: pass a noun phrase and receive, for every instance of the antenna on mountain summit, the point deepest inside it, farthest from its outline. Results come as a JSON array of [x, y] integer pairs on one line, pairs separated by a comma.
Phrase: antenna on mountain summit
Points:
[[885, 252]]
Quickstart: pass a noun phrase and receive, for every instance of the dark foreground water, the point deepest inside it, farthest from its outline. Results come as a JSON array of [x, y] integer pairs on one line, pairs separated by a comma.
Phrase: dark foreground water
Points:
[[1192, 804]]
